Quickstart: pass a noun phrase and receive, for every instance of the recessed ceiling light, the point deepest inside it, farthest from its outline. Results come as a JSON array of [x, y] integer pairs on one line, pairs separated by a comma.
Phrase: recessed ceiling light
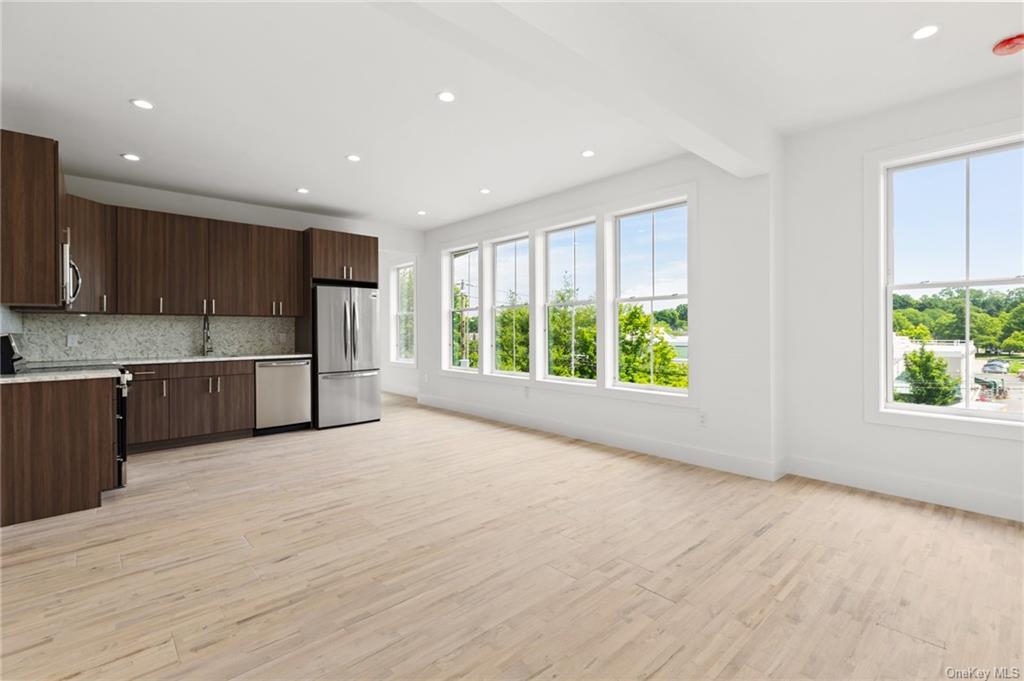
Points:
[[302, 190], [353, 158], [142, 104], [485, 190], [925, 32], [131, 157], [587, 153], [421, 212], [446, 97]]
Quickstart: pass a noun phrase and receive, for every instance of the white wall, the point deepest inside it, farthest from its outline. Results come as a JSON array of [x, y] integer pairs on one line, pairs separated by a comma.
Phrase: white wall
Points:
[[728, 321], [825, 433]]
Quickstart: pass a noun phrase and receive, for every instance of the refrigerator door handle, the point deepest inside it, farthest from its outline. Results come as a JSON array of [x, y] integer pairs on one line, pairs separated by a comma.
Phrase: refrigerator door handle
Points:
[[355, 336], [346, 333]]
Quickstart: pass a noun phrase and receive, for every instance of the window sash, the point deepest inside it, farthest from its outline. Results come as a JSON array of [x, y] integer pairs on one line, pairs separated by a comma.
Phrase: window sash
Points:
[[967, 283], [616, 381], [572, 350], [496, 310], [400, 317]]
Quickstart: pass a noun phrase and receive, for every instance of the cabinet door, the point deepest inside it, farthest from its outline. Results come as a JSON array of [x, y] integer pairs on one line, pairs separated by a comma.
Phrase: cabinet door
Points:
[[327, 251], [141, 261], [235, 400], [148, 411], [192, 406], [264, 263], [362, 258], [230, 268], [93, 233], [291, 302], [29, 235], [187, 265]]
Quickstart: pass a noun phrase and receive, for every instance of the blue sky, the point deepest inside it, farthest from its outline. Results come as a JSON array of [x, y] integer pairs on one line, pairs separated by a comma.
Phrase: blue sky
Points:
[[930, 219]]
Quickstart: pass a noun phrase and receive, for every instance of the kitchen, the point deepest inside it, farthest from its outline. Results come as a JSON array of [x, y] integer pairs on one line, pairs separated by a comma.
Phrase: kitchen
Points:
[[142, 330]]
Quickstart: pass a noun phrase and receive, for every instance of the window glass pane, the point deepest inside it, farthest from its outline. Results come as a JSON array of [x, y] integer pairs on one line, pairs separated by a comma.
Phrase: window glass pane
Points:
[[512, 339], [997, 214], [671, 344], [929, 358], [523, 270], [505, 273], [670, 251], [636, 268], [465, 340], [572, 341], [560, 280], [997, 349], [929, 223], [406, 337], [464, 280], [635, 342], [406, 289], [585, 261]]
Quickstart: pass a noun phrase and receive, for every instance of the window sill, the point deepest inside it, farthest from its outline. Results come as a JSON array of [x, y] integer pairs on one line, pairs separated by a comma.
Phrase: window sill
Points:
[[676, 399], [892, 415], [404, 363]]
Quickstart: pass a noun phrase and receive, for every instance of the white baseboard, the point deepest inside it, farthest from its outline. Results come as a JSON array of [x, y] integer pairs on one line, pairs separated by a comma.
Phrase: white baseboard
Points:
[[996, 504], [730, 463]]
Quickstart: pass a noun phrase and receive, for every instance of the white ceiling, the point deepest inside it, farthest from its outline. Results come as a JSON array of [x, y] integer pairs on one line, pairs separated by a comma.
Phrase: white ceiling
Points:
[[254, 100]]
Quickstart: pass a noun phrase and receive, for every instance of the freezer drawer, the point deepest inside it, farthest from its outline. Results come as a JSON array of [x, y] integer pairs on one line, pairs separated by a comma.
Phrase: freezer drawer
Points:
[[282, 393], [351, 397]]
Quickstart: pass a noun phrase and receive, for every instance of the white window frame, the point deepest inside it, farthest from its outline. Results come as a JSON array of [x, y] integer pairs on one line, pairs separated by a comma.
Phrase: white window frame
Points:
[[546, 305], [619, 299], [449, 282], [496, 308], [878, 405], [397, 314]]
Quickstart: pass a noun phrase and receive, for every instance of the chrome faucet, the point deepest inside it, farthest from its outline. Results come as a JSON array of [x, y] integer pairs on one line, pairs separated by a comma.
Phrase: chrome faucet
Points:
[[207, 341]]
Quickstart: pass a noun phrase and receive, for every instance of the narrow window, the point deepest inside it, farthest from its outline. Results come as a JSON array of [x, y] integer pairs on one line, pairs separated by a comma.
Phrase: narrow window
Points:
[[405, 314], [512, 306], [955, 284], [571, 309], [464, 304], [651, 300]]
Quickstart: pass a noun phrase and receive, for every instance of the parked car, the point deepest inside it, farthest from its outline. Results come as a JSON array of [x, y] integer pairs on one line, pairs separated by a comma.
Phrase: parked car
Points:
[[996, 366]]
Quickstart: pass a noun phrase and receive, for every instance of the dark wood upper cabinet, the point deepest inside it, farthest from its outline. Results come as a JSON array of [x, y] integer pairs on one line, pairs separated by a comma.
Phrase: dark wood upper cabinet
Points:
[[186, 290], [277, 272], [56, 445], [341, 256], [30, 187], [141, 261], [230, 268], [92, 231]]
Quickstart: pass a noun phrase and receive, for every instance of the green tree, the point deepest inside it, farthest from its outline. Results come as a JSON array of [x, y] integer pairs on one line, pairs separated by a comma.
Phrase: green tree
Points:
[[930, 382], [572, 335], [465, 331], [918, 332], [512, 338], [1013, 343], [1013, 321], [645, 355]]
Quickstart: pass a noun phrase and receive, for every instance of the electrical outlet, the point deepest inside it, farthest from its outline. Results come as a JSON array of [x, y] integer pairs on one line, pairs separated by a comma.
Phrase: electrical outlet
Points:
[[72, 340], [426, 377], [526, 391], [702, 419]]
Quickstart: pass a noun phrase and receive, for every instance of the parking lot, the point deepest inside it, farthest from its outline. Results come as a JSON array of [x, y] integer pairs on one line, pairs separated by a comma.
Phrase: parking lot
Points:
[[1014, 387]]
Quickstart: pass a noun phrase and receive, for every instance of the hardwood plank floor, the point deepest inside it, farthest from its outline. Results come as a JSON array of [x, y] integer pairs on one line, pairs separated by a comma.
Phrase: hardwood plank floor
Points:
[[435, 546]]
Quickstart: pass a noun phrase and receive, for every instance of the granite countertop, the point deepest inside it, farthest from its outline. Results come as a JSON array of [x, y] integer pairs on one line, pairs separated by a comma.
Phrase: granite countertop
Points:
[[82, 369]]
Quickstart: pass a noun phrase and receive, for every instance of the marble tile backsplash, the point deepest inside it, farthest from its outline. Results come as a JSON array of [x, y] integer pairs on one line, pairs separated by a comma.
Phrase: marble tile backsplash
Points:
[[45, 336]]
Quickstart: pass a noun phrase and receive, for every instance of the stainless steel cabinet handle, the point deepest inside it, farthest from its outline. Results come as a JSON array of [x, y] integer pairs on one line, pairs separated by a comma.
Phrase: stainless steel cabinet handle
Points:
[[204, 305], [273, 307], [280, 307], [143, 373], [218, 384], [209, 384], [161, 304], [164, 387], [213, 306], [104, 302]]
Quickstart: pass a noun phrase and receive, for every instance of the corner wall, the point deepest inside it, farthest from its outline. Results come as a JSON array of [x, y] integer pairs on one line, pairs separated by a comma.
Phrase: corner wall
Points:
[[826, 435]]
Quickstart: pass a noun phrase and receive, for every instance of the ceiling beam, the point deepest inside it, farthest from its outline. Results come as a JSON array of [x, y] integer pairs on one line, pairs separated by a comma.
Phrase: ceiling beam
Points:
[[592, 51]]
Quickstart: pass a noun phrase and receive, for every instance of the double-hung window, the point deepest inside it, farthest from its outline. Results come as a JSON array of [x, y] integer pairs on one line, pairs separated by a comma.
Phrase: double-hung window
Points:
[[512, 306], [571, 310], [404, 284], [652, 347], [464, 307], [955, 284]]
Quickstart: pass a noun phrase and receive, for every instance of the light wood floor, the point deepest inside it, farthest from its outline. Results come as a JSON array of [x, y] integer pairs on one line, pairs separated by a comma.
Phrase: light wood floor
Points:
[[434, 546]]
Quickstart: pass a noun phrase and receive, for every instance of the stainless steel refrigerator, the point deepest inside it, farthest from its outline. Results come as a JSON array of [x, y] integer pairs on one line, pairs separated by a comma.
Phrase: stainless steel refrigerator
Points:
[[345, 327]]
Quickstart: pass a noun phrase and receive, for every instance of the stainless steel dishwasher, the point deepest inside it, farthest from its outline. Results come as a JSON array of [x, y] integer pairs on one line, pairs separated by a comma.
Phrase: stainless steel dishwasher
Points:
[[282, 393]]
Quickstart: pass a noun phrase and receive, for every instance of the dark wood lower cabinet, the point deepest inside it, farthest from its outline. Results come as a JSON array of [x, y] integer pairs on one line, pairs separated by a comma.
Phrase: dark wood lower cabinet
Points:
[[148, 410], [175, 403], [57, 443]]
